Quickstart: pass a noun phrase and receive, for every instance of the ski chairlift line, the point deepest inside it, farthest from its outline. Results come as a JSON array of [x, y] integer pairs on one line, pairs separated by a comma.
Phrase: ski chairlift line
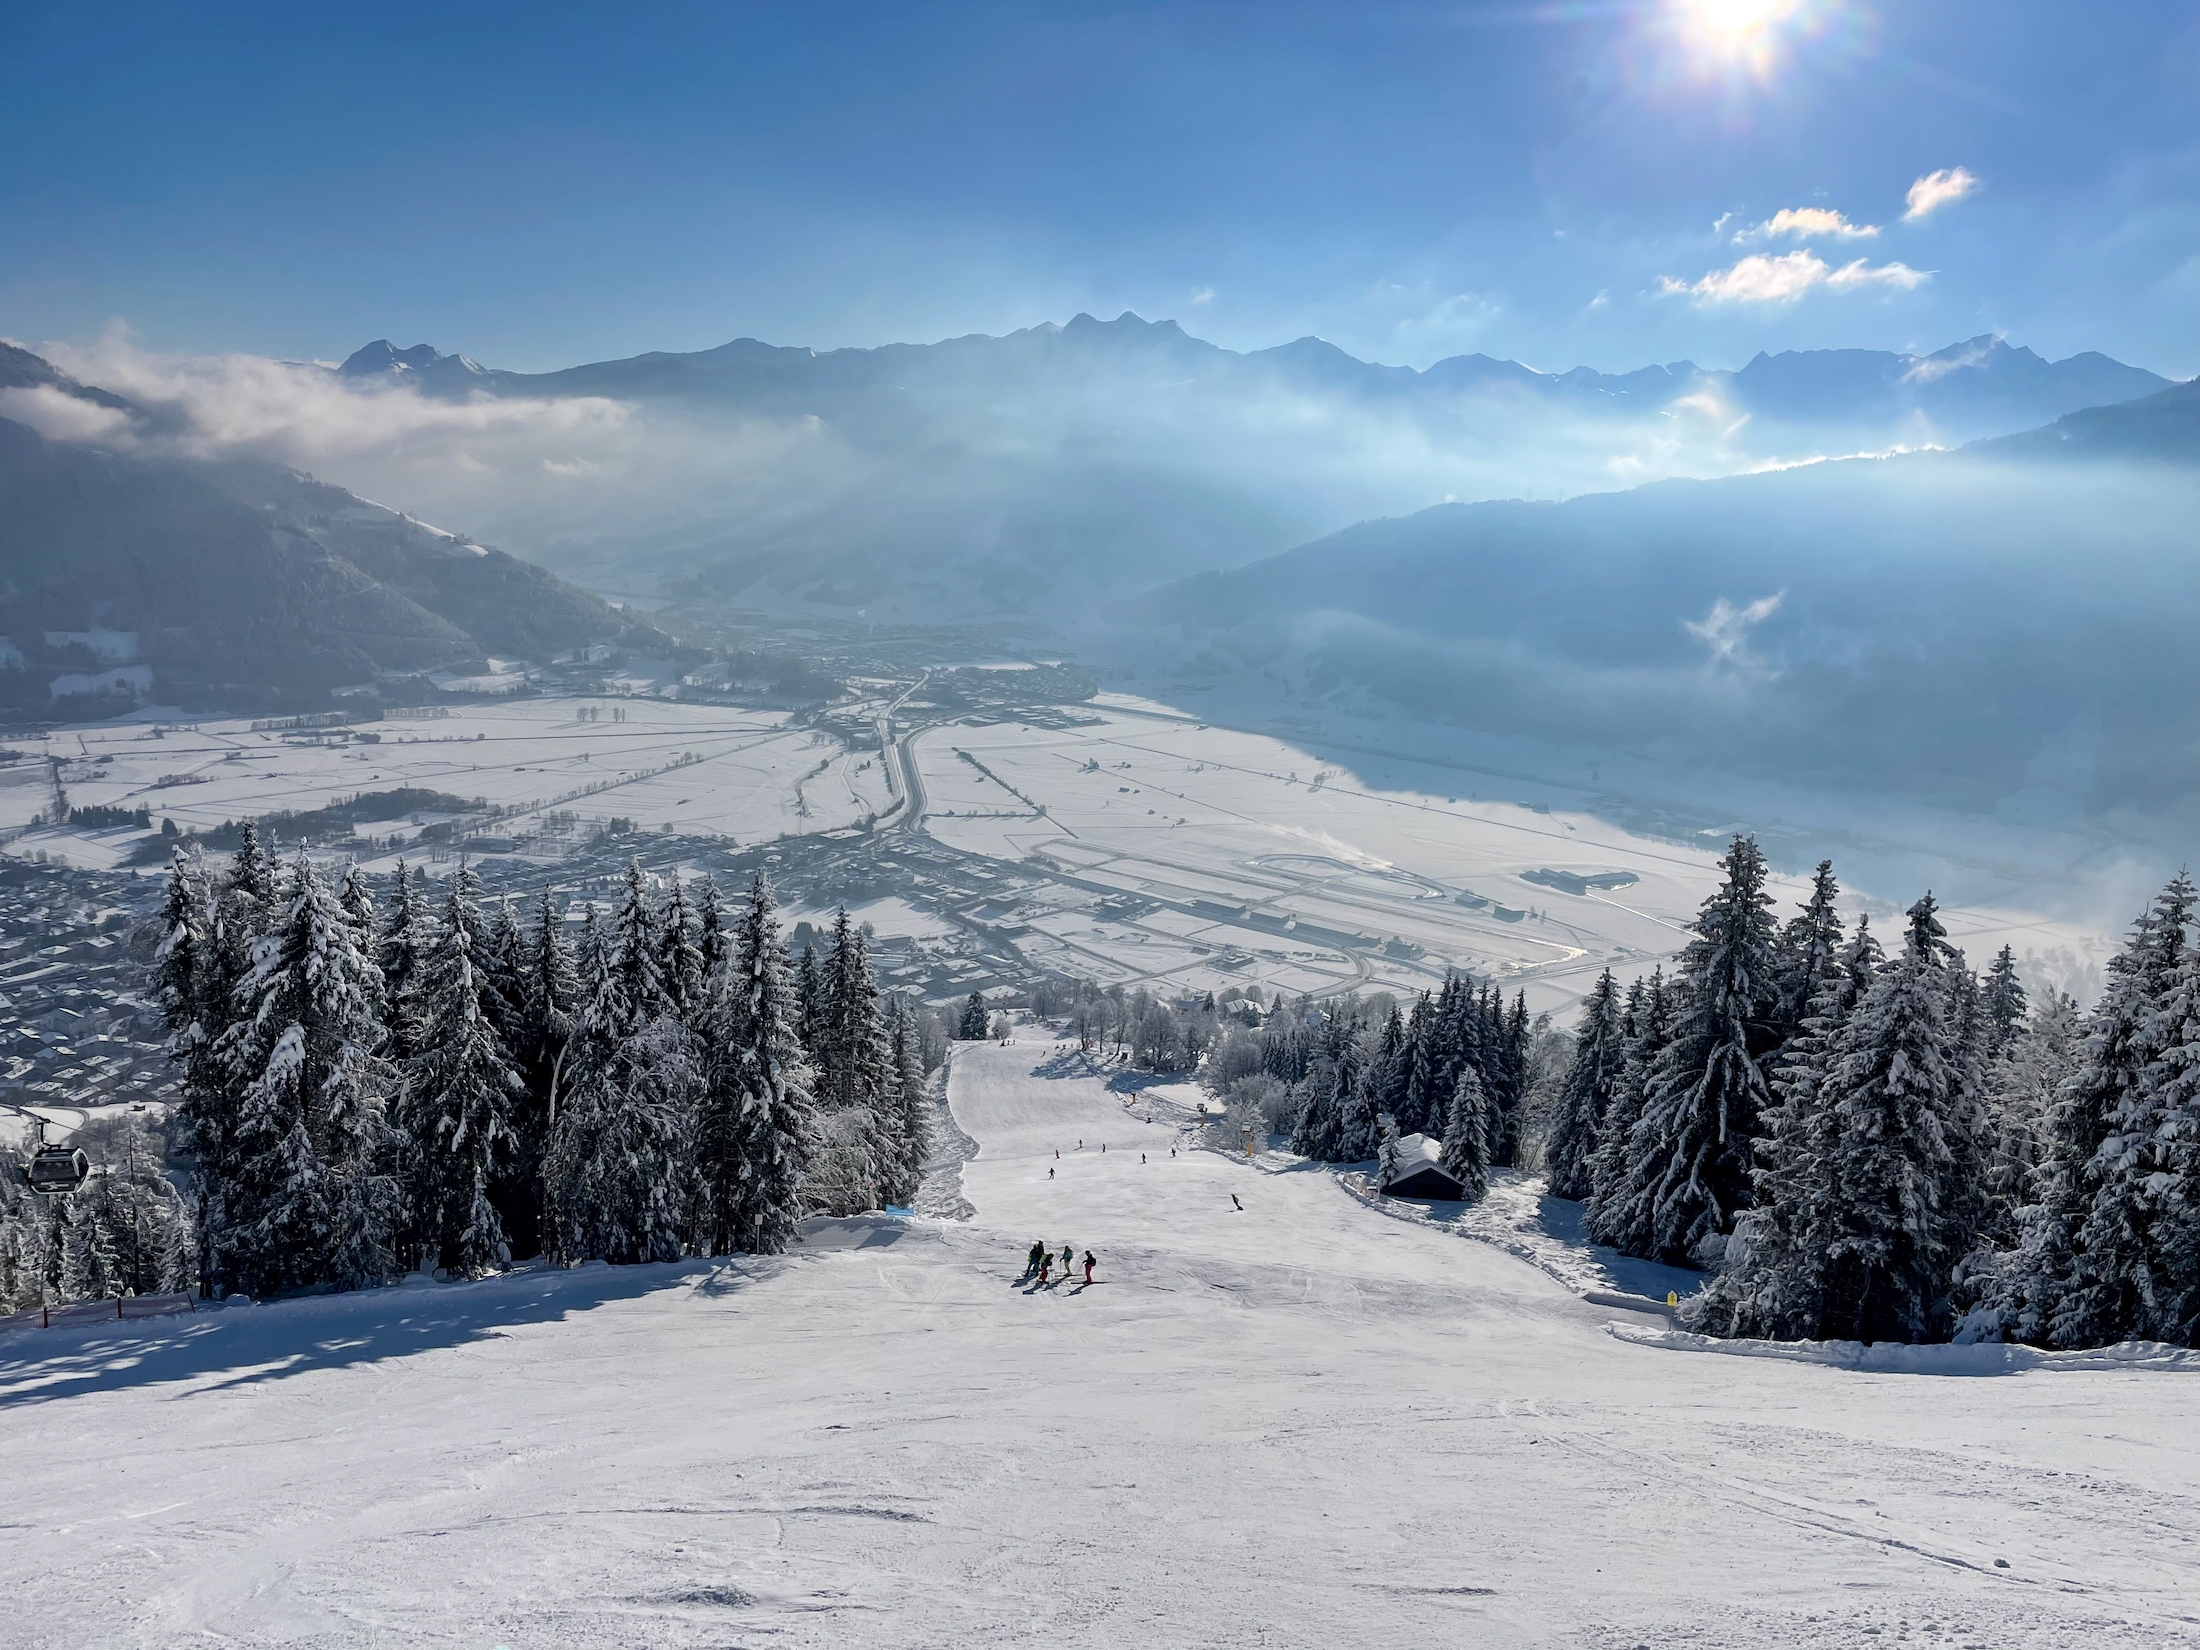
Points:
[[53, 1169]]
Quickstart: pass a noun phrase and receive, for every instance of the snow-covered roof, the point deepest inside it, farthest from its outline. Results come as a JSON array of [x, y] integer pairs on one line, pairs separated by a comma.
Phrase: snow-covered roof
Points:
[[1420, 1169], [1418, 1148]]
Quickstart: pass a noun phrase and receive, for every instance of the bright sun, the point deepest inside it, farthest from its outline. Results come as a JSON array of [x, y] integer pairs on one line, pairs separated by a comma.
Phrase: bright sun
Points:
[[1738, 29]]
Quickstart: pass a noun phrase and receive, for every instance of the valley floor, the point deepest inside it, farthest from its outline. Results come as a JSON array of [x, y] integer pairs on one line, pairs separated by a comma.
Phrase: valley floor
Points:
[[1296, 1424]]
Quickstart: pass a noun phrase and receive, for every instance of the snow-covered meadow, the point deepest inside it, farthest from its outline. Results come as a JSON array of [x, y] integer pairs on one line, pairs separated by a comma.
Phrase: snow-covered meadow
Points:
[[1140, 847], [747, 774], [1299, 1424], [1251, 858]]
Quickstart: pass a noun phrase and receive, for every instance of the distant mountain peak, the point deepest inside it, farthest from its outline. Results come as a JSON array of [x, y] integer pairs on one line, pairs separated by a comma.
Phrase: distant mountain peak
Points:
[[383, 359], [1129, 322]]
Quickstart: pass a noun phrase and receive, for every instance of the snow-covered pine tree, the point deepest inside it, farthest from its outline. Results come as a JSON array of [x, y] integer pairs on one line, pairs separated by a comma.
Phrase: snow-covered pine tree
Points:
[[142, 1209], [1970, 1129], [849, 1071], [711, 925], [620, 1154], [913, 1105], [1467, 1041], [1434, 1033], [253, 878], [500, 960], [809, 1000], [2051, 1290], [1600, 1058], [632, 951], [863, 1140], [1508, 1079], [89, 1269], [1390, 1071], [1692, 1154], [1358, 1102], [1772, 1284], [237, 910], [1608, 1217], [179, 1251], [1321, 1116], [316, 1199], [19, 1248], [461, 1093], [2162, 1123], [2004, 1003], [1810, 949], [548, 999], [2139, 1248], [1895, 1227], [1422, 1110], [545, 999], [195, 1002], [1466, 1150], [357, 899], [403, 945], [971, 1028], [1387, 1156], [759, 1130], [680, 959], [2022, 1086]]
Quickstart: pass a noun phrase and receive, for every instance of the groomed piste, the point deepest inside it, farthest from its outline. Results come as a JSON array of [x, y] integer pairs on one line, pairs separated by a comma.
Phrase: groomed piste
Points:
[[1289, 1423]]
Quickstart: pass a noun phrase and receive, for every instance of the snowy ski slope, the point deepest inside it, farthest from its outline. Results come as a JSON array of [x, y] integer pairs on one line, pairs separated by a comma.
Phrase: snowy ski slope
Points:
[[1297, 1425]]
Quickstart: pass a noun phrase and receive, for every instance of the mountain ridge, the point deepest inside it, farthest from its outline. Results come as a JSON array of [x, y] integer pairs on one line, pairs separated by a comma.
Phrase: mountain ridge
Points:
[[1950, 380]]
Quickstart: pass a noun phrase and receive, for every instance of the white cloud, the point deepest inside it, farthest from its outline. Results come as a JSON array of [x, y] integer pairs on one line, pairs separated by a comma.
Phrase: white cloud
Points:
[[1861, 274], [300, 414], [59, 416], [1937, 189], [1932, 368], [1762, 278], [1806, 223], [1724, 631], [1433, 326], [1203, 297]]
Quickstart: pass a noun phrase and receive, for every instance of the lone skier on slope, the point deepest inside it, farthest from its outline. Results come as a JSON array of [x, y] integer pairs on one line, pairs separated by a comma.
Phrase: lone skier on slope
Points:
[[1235, 1204]]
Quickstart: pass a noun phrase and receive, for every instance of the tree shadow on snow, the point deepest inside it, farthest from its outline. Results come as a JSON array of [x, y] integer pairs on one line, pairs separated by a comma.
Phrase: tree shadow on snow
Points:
[[1071, 1063], [259, 1344]]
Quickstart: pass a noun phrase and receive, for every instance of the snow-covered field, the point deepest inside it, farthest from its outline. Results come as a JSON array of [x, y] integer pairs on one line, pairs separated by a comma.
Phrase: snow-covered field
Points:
[[1251, 859], [1302, 1424], [1145, 847], [700, 768]]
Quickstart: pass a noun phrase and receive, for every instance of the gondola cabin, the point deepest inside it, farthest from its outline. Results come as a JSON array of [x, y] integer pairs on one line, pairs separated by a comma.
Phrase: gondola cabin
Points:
[[54, 1170]]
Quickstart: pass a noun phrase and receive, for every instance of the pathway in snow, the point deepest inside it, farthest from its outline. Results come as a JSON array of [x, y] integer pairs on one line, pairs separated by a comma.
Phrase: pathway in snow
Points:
[[1299, 1424]]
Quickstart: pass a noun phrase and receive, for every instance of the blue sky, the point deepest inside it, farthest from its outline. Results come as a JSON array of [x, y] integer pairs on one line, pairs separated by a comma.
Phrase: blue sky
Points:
[[542, 184]]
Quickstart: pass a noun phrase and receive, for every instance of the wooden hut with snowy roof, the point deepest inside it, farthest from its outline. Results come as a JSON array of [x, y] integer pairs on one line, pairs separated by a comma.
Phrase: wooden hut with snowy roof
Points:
[[1420, 1172]]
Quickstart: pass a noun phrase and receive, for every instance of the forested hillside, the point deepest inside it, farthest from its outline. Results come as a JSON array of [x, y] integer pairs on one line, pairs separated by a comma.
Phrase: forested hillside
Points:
[[128, 572]]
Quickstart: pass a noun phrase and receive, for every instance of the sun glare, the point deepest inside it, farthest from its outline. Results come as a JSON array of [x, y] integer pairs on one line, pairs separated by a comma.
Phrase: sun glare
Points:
[[1744, 33]]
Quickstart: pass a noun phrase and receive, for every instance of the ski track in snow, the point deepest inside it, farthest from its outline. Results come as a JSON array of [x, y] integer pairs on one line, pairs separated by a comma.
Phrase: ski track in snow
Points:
[[1299, 1425]]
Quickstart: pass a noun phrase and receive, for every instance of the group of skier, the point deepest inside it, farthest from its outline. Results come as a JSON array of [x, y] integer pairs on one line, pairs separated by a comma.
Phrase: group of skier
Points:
[[1042, 1262]]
